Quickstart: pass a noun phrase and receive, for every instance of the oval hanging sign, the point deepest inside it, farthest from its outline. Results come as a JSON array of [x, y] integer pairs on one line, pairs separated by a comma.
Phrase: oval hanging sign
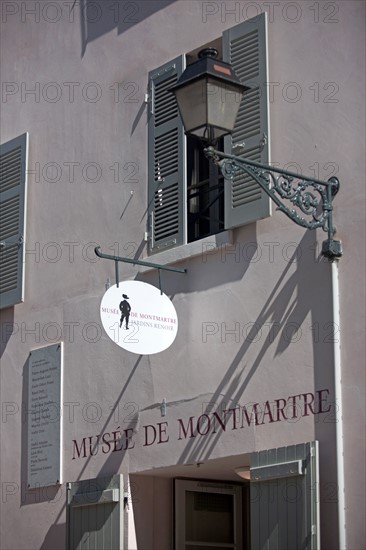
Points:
[[138, 318]]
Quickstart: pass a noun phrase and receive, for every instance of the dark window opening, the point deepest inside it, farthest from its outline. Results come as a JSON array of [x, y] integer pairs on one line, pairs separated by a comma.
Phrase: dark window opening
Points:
[[205, 192]]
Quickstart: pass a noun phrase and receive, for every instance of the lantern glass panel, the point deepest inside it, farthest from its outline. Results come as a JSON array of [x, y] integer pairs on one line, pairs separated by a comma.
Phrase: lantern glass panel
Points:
[[192, 102], [223, 102], [208, 107]]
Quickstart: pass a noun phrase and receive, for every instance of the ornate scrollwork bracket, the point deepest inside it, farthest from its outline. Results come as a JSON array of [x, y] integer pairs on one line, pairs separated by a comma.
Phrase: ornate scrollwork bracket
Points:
[[311, 199]]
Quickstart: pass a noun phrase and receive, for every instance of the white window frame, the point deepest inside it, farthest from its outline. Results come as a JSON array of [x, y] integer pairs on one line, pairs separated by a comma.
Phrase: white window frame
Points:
[[183, 485]]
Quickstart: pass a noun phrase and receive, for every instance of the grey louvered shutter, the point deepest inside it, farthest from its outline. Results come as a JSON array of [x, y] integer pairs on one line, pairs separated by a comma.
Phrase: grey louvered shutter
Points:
[[245, 47], [13, 174], [284, 497], [166, 167], [95, 514]]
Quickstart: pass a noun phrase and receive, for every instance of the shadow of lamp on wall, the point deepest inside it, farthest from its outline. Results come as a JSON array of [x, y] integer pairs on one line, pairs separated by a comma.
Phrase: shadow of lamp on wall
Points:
[[208, 95]]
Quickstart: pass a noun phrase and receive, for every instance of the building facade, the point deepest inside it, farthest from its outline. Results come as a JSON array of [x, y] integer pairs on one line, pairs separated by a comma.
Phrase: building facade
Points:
[[248, 431]]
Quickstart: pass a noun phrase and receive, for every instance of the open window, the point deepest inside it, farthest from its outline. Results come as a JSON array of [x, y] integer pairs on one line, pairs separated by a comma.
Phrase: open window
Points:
[[187, 198], [205, 193], [208, 515]]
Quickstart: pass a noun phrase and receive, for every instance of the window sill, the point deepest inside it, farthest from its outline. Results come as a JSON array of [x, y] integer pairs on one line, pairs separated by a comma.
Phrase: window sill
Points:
[[206, 246]]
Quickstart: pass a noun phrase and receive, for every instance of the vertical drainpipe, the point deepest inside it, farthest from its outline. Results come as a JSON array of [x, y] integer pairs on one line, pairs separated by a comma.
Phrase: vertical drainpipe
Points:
[[339, 405]]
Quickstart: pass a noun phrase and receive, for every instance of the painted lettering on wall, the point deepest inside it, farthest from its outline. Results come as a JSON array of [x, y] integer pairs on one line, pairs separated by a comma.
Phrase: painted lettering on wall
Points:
[[236, 418]]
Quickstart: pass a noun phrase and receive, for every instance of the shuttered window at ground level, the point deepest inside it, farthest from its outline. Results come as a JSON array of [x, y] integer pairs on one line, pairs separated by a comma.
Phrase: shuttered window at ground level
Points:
[[245, 46], [95, 514], [284, 498], [13, 173]]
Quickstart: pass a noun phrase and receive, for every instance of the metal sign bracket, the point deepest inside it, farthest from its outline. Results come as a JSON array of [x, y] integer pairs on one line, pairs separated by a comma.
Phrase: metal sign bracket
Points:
[[117, 259]]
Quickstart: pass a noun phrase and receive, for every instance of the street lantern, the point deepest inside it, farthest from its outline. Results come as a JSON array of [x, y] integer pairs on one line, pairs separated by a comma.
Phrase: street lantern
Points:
[[208, 94]]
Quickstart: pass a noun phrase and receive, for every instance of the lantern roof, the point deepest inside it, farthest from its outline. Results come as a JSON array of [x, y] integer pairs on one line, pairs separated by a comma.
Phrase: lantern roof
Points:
[[208, 65]]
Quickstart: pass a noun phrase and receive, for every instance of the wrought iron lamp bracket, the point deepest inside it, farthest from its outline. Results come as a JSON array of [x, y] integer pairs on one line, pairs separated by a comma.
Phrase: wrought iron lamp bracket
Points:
[[312, 198]]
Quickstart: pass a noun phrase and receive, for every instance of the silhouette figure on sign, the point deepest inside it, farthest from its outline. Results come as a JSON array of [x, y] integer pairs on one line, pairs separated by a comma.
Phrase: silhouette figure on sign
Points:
[[125, 309]]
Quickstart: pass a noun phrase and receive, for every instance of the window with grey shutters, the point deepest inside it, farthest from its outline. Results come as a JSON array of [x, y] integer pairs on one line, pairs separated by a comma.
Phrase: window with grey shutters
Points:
[[95, 514], [284, 498], [245, 47], [13, 172], [169, 193], [166, 149]]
